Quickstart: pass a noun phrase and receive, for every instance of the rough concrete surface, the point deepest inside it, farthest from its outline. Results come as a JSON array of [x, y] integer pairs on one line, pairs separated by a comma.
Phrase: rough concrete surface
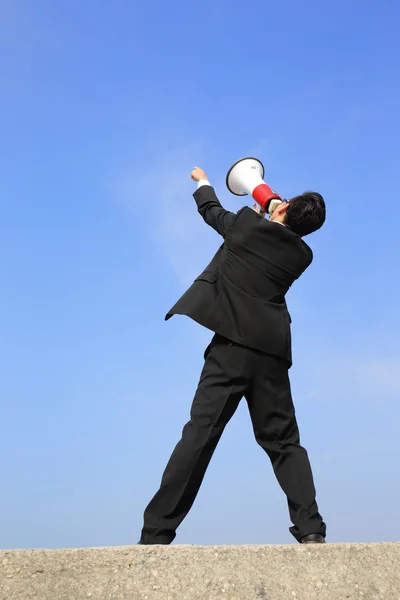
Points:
[[323, 572]]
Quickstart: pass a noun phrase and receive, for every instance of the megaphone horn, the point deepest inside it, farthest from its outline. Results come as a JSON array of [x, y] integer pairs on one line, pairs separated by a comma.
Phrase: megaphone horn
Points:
[[246, 176]]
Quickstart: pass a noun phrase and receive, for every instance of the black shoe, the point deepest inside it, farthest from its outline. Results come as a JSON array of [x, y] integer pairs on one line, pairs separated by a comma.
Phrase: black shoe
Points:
[[161, 541], [313, 538]]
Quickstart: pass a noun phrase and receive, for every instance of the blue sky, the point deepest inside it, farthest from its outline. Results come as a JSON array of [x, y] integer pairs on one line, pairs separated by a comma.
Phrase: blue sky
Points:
[[104, 111]]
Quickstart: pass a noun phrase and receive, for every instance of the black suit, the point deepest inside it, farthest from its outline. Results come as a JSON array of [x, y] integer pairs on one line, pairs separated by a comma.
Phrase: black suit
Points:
[[241, 294], [241, 297]]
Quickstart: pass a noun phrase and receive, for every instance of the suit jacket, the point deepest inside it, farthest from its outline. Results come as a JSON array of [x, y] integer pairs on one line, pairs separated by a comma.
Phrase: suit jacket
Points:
[[241, 293]]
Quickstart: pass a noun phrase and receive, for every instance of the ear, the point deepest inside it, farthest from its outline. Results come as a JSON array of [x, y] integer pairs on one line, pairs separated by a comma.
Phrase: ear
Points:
[[282, 208]]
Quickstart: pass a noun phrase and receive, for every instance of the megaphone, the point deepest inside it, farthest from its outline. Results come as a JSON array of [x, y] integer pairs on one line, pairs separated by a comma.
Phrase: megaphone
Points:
[[246, 176]]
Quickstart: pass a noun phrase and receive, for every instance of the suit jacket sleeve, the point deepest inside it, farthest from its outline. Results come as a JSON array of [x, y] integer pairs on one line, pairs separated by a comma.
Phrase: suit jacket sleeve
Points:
[[212, 211]]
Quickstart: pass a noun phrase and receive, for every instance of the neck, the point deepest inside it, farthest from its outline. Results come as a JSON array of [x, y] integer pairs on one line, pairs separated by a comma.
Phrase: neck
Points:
[[279, 219]]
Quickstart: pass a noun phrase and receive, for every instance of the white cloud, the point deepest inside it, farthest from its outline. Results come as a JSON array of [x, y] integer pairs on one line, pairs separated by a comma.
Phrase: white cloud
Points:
[[334, 377], [185, 241], [375, 379]]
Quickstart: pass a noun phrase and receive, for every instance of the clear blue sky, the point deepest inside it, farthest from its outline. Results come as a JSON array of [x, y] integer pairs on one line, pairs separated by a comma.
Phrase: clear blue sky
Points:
[[104, 110]]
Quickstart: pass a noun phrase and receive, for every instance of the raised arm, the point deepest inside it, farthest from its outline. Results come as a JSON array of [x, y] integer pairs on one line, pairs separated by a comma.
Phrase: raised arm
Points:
[[209, 206]]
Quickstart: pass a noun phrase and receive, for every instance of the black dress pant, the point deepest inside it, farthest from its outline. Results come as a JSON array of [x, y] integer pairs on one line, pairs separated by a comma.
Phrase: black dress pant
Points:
[[230, 372]]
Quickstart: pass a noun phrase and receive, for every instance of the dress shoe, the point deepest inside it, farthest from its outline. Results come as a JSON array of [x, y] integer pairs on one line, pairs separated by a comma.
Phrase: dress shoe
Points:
[[151, 542], [313, 538]]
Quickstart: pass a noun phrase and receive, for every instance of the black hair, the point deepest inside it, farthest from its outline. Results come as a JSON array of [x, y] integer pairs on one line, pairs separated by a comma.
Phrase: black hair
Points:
[[306, 213]]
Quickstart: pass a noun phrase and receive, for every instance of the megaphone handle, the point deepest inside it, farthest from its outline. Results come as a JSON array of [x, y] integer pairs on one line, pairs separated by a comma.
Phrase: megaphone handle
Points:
[[273, 204]]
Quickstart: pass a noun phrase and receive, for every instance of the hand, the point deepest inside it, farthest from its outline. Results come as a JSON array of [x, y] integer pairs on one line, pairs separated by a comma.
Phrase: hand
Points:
[[198, 174], [257, 208]]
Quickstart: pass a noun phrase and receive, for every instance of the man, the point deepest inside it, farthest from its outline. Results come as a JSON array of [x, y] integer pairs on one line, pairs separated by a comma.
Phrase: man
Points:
[[241, 297]]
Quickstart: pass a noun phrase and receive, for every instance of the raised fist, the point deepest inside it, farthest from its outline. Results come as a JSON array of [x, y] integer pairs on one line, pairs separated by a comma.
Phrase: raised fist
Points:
[[198, 174]]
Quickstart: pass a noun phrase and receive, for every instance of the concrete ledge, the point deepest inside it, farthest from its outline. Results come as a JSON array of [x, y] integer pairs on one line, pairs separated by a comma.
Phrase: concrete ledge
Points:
[[329, 572]]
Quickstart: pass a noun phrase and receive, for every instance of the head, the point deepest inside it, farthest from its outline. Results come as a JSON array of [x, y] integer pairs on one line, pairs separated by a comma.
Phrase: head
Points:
[[302, 214]]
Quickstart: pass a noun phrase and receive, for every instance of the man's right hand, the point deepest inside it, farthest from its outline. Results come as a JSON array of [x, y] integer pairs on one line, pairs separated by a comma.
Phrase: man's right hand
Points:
[[198, 174], [257, 208]]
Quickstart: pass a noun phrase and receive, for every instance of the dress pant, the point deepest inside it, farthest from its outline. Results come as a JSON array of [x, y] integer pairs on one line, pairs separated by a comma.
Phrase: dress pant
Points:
[[230, 373]]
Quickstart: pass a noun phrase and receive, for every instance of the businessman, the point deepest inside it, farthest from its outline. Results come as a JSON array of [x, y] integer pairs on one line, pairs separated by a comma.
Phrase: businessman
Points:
[[240, 296]]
